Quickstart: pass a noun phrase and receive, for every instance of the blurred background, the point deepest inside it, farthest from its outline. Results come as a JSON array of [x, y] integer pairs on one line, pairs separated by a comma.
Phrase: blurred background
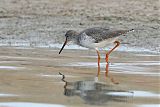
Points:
[[43, 23]]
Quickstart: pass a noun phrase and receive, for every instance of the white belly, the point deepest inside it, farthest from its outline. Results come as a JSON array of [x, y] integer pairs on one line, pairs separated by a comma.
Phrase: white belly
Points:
[[105, 43], [89, 43]]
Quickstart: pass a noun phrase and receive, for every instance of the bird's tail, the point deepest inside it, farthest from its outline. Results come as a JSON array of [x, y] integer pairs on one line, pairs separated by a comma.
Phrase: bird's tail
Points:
[[131, 30], [124, 32]]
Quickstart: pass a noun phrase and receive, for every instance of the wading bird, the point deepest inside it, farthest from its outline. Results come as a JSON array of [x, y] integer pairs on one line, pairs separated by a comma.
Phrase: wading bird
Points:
[[96, 38]]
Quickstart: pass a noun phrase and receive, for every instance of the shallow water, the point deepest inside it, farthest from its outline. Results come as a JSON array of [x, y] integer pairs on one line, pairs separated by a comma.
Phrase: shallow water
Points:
[[7, 95], [94, 93], [136, 67], [11, 67], [31, 78], [25, 104]]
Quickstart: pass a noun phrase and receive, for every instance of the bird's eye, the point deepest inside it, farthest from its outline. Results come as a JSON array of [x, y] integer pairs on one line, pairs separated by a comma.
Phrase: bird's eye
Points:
[[66, 35]]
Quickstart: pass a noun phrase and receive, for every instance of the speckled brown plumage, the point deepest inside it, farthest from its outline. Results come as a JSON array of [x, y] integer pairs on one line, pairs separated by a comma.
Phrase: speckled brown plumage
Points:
[[100, 34]]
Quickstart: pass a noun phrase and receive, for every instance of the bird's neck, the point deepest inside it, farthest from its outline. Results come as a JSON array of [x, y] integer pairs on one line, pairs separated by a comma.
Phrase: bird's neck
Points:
[[76, 39]]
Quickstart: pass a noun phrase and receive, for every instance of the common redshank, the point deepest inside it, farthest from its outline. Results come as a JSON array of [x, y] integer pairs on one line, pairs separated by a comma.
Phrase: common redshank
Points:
[[96, 38]]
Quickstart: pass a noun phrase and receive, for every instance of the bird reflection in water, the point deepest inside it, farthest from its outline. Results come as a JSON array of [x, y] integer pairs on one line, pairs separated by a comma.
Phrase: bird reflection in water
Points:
[[95, 93]]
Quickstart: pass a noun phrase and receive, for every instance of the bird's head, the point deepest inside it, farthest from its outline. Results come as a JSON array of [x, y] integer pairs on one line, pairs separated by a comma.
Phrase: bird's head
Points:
[[70, 36]]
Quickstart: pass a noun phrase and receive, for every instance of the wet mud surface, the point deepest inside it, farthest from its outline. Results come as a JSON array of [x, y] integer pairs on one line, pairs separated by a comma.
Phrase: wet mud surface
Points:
[[31, 77]]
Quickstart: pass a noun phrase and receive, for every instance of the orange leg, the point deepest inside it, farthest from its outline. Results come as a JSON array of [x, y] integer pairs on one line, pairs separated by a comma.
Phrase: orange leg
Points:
[[107, 58], [107, 65], [98, 63]]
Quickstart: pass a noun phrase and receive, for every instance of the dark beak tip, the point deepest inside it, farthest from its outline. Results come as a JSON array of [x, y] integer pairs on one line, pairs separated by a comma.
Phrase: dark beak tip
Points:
[[60, 51], [63, 46]]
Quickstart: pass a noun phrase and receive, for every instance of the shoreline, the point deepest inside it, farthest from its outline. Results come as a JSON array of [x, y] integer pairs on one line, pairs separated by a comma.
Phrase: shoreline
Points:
[[57, 46], [48, 22]]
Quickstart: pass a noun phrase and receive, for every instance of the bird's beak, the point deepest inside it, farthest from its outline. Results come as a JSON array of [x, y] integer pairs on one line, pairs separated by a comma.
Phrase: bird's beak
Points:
[[63, 45]]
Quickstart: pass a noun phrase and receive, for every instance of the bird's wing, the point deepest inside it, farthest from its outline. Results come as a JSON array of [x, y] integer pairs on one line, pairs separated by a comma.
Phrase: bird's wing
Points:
[[99, 34]]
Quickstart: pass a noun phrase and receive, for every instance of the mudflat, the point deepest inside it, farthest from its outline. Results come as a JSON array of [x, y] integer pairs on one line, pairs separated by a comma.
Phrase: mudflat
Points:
[[40, 77], [35, 23], [31, 76]]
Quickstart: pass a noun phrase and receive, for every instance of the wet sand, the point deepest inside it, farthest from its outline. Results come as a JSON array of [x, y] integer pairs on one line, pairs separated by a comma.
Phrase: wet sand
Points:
[[31, 76]]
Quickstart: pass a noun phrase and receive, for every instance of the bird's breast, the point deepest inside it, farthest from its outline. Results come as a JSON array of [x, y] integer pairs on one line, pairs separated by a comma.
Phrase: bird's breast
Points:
[[86, 41]]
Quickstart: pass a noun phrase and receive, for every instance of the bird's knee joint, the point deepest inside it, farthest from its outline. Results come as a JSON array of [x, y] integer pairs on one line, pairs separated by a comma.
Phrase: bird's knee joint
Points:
[[117, 42], [99, 58]]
